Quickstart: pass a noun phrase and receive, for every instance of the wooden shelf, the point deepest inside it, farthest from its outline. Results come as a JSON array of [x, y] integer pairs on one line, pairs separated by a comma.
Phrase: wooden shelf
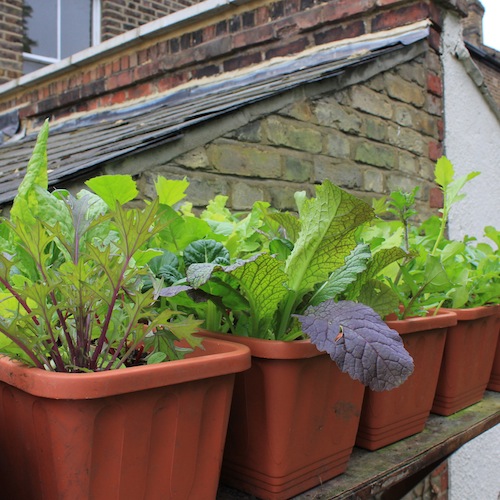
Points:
[[375, 474]]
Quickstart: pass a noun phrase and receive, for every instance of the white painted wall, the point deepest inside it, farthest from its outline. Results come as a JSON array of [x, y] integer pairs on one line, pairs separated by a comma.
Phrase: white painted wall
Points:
[[472, 142], [474, 470], [472, 139]]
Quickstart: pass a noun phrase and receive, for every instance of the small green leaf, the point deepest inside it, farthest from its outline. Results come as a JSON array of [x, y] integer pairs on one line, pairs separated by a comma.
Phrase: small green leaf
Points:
[[443, 172], [171, 191]]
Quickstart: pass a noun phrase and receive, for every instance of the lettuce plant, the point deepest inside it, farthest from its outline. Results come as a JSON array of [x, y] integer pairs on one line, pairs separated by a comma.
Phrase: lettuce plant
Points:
[[71, 270], [289, 291]]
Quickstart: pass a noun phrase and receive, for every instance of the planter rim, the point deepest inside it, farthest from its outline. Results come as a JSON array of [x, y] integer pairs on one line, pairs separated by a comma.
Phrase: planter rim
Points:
[[272, 349], [442, 319], [218, 357], [475, 312]]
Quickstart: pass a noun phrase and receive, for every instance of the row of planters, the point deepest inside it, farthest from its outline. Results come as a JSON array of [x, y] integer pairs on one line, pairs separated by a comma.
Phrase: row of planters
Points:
[[151, 350]]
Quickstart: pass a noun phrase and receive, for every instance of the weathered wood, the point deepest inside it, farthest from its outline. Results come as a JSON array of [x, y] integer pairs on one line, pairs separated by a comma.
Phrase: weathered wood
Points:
[[370, 473]]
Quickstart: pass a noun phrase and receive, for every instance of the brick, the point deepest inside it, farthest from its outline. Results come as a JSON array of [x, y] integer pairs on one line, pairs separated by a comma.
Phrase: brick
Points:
[[404, 91], [427, 124], [205, 71], [297, 169], [396, 182], [248, 133], [371, 102], [406, 138], [140, 90], [342, 173], [239, 159], [329, 112], [434, 84], [400, 17], [436, 199], [408, 163], [293, 135], [242, 61], [244, 194], [350, 30], [287, 49], [338, 145], [434, 105], [375, 128], [403, 115], [282, 195], [342, 9], [376, 154], [300, 110], [373, 181], [256, 36], [435, 150], [195, 159]]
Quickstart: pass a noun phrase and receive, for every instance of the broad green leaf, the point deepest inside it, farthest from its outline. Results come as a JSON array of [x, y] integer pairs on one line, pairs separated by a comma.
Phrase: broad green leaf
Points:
[[356, 262], [261, 281], [380, 297], [375, 266], [171, 191], [326, 237], [114, 188], [206, 251]]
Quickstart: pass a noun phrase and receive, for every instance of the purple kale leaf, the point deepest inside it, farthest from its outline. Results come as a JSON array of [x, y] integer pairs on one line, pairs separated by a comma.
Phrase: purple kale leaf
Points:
[[359, 341]]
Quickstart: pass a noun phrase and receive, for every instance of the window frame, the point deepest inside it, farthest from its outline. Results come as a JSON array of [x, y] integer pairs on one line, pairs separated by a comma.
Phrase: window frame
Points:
[[95, 36]]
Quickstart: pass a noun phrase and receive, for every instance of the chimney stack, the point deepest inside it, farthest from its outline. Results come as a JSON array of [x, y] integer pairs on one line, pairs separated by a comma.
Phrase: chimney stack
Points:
[[473, 23]]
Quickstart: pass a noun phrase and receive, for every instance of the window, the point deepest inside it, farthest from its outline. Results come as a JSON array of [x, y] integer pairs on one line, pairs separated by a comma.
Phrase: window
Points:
[[55, 29]]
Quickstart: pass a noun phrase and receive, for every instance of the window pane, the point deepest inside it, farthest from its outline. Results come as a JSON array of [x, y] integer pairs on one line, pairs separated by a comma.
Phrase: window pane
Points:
[[75, 26], [42, 27]]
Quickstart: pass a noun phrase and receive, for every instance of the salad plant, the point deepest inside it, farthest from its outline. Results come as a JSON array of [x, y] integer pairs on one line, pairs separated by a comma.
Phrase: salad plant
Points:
[[71, 274], [436, 271], [291, 286]]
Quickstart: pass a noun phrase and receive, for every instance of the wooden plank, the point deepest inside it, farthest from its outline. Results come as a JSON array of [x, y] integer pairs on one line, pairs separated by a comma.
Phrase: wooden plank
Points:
[[372, 472]]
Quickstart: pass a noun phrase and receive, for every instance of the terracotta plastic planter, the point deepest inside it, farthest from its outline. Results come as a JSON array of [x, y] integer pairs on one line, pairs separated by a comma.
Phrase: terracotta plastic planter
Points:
[[293, 422], [494, 382], [467, 360], [389, 416], [149, 432]]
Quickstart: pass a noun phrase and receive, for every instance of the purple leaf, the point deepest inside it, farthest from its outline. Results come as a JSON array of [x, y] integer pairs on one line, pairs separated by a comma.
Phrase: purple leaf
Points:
[[359, 341]]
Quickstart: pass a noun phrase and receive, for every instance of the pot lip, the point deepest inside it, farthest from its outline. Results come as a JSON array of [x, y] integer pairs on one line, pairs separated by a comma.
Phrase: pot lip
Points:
[[472, 313], [218, 357], [272, 349], [441, 320]]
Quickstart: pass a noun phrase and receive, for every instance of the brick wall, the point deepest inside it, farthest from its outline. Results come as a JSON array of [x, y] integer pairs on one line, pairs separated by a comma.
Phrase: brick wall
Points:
[[434, 486], [118, 16], [368, 138], [244, 36], [473, 23], [11, 41], [491, 78]]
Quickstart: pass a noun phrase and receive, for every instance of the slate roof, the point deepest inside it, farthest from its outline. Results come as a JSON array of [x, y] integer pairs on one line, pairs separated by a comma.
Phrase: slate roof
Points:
[[79, 146]]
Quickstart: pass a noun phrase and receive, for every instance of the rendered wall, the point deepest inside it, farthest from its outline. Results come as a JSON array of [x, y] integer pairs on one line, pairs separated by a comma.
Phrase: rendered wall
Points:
[[472, 141], [474, 468]]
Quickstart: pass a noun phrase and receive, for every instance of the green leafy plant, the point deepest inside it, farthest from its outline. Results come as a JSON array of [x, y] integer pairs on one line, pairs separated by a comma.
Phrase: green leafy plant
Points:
[[290, 290], [71, 272], [436, 271]]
